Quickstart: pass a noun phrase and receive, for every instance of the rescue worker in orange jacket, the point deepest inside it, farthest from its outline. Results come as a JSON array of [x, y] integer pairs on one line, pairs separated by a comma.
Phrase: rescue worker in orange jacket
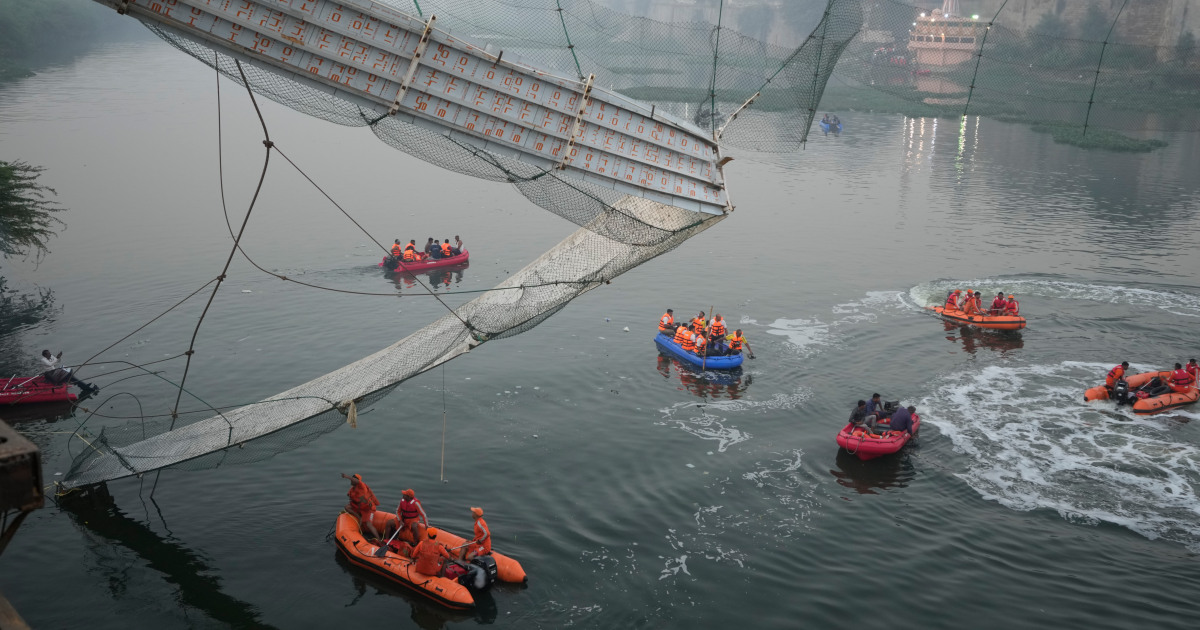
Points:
[[397, 248], [689, 341], [717, 327], [481, 544], [362, 504], [1181, 381], [698, 323], [964, 298], [1116, 374], [412, 515], [999, 304], [410, 251], [736, 341], [1193, 369], [680, 334], [952, 300], [699, 343], [1013, 307], [973, 306], [447, 250], [430, 555], [667, 321]]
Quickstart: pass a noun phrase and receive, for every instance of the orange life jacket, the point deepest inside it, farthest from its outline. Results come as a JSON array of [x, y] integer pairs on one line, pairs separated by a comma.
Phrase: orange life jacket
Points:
[[1192, 369], [698, 324], [447, 250], [1013, 308], [1181, 377], [410, 255], [698, 344], [718, 328], [689, 341], [1114, 375], [667, 319], [429, 554], [735, 342], [998, 305], [396, 249], [409, 509], [483, 535], [361, 498], [951, 302], [680, 334]]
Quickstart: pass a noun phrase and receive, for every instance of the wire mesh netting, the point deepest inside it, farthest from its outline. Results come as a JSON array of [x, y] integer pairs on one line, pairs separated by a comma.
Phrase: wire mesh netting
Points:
[[751, 74]]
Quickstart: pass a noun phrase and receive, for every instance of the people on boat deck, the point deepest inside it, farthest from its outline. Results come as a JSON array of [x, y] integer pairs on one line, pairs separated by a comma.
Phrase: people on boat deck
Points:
[[973, 305], [362, 504], [902, 419], [397, 249], [1116, 374], [481, 544], [737, 340], [875, 406], [430, 554], [447, 250], [667, 321], [952, 300], [410, 252], [681, 333], [861, 419], [717, 326], [1013, 307], [55, 372], [999, 304], [1181, 380], [412, 515]]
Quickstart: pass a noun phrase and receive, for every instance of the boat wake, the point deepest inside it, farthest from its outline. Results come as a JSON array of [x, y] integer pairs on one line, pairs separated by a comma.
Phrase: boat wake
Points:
[[1174, 302], [707, 421], [1088, 462], [810, 336]]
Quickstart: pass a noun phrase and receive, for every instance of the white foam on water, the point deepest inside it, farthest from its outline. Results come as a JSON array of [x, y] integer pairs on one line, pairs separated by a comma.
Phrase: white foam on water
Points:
[[708, 421], [809, 336], [1175, 302], [1033, 443]]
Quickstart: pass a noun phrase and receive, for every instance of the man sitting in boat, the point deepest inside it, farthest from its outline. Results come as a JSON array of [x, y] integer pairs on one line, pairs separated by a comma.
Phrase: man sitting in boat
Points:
[[56, 373], [666, 323], [430, 554], [717, 326], [999, 304], [397, 249], [902, 419], [876, 407], [1193, 369], [362, 504], [1012, 308], [861, 419], [447, 250], [973, 305], [717, 347], [952, 300], [681, 335], [825, 118], [736, 341], [699, 343], [431, 249], [410, 252], [1181, 381], [1116, 375], [458, 246], [698, 323]]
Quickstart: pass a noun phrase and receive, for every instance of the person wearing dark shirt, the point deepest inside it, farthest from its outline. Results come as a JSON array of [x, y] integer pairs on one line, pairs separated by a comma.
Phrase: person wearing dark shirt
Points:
[[902, 419], [875, 406], [861, 419]]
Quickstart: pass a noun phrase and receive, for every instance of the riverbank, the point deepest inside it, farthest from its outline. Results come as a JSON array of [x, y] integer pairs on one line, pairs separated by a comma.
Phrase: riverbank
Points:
[[36, 35]]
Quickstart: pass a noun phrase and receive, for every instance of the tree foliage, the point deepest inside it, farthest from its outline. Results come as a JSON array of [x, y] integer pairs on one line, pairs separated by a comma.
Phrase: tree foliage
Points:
[[27, 214]]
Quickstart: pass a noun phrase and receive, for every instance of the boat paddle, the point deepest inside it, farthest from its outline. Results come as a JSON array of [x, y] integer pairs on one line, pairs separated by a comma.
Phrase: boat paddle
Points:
[[382, 551]]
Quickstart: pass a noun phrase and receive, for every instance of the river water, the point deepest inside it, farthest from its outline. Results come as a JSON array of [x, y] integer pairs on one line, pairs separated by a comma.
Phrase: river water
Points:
[[634, 492]]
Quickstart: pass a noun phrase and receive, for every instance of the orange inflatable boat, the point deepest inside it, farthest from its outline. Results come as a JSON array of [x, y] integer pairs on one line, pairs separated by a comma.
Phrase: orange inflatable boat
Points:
[[1143, 395], [400, 568], [995, 322]]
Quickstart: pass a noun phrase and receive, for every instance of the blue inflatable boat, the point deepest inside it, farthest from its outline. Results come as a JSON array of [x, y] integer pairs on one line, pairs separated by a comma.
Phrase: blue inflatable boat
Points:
[[667, 345], [826, 127]]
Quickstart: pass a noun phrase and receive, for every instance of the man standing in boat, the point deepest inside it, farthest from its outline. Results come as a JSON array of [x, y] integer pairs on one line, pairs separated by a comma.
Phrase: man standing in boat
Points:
[[362, 504], [56, 373]]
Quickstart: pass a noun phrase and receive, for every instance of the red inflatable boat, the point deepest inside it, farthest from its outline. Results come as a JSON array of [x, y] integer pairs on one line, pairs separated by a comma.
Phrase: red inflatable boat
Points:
[[865, 446], [33, 389], [428, 263]]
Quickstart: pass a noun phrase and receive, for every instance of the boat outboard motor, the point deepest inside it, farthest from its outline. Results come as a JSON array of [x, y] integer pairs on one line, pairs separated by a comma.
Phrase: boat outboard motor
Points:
[[1120, 393], [481, 573]]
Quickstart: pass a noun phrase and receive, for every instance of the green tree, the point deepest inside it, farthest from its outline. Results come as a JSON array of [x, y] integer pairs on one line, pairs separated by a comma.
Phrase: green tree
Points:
[[27, 214]]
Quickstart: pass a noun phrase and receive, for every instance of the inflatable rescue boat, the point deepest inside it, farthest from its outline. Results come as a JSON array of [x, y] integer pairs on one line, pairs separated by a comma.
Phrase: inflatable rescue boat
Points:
[[667, 344], [395, 566], [995, 322], [34, 389], [865, 446], [423, 265], [1143, 394]]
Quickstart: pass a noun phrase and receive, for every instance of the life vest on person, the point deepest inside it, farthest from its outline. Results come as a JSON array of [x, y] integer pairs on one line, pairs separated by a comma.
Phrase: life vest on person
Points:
[[362, 499], [1181, 380], [735, 342], [409, 509], [951, 302], [1193, 369], [1012, 308], [667, 320], [972, 306], [680, 334], [718, 328], [447, 250], [410, 254], [689, 341], [699, 344], [698, 324], [1114, 375], [482, 543], [396, 249], [998, 305], [429, 554]]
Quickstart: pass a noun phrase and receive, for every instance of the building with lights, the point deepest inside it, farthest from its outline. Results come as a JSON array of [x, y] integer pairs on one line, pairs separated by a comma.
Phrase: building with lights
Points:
[[942, 37]]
